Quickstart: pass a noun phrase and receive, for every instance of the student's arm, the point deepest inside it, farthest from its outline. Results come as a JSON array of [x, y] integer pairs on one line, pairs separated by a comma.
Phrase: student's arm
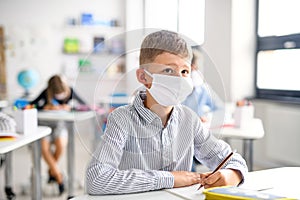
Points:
[[40, 101], [210, 151], [103, 175]]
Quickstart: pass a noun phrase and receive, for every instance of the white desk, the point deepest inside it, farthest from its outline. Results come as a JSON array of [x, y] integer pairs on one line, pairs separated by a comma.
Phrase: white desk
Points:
[[281, 181], [153, 195], [70, 118], [253, 131], [3, 104], [8, 146]]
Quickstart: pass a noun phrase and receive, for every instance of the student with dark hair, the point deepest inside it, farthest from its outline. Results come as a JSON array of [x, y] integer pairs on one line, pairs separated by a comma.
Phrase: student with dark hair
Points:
[[56, 96]]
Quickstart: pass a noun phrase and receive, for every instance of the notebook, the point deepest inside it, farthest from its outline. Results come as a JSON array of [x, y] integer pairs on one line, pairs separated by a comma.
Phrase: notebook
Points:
[[236, 193]]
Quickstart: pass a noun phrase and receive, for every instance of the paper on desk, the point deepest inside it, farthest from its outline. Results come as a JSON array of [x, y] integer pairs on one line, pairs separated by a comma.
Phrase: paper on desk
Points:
[[190, 192]]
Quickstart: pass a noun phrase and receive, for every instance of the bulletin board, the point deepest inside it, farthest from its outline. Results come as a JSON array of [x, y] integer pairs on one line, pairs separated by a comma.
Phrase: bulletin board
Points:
[[2, 66]]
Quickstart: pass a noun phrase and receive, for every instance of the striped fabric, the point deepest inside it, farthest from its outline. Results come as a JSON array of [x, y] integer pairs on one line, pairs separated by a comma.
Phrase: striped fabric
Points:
[[137, 152]]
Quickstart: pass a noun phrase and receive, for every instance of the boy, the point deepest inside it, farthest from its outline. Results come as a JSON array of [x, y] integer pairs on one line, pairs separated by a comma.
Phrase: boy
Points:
[[150, 144]]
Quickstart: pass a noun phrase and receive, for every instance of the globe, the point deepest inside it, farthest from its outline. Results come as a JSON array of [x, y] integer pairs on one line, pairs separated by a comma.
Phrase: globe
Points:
[[28, 79]]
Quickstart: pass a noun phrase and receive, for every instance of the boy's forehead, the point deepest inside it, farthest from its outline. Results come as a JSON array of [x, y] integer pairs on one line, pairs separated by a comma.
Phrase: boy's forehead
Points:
[[171, 59]]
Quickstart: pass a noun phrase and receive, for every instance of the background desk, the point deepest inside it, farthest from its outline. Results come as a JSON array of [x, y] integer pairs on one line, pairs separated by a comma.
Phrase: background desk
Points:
[[253, 131], [3, 104], [70, 118], [34, 138], [281, 181]]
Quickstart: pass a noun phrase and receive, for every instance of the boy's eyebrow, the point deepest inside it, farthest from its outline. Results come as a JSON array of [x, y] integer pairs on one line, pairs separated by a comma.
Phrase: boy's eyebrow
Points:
[[174, 64]]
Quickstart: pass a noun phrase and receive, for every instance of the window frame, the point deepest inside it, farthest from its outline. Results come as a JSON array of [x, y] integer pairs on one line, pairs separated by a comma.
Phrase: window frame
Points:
[[264, 43]]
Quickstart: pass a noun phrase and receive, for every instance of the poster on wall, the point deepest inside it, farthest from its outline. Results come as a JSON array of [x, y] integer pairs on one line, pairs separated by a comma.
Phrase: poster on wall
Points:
[[2, 66]]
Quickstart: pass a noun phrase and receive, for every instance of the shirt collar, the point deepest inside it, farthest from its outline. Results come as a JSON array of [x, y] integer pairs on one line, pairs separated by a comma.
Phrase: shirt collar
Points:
[[147, 114]]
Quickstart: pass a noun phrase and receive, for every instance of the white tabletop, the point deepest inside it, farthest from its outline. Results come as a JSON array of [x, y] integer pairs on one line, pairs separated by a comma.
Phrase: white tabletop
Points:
[[254, 130], [3, 103], [154, 195], [281, 181], [65, 115], [7, 146]]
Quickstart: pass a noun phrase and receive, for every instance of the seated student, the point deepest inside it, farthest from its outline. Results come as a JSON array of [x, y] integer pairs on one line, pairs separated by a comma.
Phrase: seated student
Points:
[[55, 97], [203, 99], [150, 144]]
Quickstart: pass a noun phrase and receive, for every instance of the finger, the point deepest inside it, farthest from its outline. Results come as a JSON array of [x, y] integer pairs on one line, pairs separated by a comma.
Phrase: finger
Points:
[[205, 175], [213, 178], [216, 184]]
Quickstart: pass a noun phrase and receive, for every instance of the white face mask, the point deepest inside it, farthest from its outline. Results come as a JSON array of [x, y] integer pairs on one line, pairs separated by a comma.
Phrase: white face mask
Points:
[[196, 78], [170, 90], [60, 96]]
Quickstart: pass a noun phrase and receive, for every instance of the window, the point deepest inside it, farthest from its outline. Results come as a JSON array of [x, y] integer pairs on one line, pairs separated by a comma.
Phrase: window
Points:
[[278, 50], [183, 16]]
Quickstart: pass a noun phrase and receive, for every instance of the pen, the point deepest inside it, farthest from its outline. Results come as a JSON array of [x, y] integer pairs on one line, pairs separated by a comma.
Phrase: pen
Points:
[[219, 166]]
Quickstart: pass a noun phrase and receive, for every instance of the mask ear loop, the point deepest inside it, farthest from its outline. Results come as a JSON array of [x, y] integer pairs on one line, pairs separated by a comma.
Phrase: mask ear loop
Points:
[[148, 73]]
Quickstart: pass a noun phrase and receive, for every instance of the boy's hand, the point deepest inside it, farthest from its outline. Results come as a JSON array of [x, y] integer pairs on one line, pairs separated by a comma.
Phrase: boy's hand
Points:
[[185, 178], [222, 177]]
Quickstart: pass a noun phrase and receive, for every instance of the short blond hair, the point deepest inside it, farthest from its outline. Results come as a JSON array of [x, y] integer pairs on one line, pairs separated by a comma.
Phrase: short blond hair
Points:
[[162, 41]]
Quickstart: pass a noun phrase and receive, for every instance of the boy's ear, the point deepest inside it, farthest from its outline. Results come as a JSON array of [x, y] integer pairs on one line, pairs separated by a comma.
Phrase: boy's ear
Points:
[[140, 74]]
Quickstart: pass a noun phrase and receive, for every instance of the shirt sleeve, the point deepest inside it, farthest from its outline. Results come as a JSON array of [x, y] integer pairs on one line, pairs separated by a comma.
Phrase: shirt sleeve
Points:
[[103, 175], [211, 151], [213, 100], [40, 101]]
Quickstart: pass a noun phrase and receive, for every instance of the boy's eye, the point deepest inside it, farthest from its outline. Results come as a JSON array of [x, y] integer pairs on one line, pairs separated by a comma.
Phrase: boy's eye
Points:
[[169, 71], [185, 72]]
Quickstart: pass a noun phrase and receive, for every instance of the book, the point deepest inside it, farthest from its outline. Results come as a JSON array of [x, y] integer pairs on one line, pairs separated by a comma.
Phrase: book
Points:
[[6, 136], [237, 193], [6, 139]]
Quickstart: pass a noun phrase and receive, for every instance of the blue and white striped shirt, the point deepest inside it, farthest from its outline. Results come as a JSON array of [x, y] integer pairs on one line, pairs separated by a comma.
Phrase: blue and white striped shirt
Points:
[[137, 152]]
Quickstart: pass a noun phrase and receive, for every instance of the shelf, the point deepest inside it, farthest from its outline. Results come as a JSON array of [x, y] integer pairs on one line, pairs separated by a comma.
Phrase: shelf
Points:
[[93, 76], [90, 27], [102, 71], [100, 54], [94, 30]]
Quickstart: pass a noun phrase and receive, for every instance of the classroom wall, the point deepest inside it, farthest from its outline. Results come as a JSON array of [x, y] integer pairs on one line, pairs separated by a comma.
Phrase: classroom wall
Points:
[[280, 146], [230, 48], [34, 34]]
